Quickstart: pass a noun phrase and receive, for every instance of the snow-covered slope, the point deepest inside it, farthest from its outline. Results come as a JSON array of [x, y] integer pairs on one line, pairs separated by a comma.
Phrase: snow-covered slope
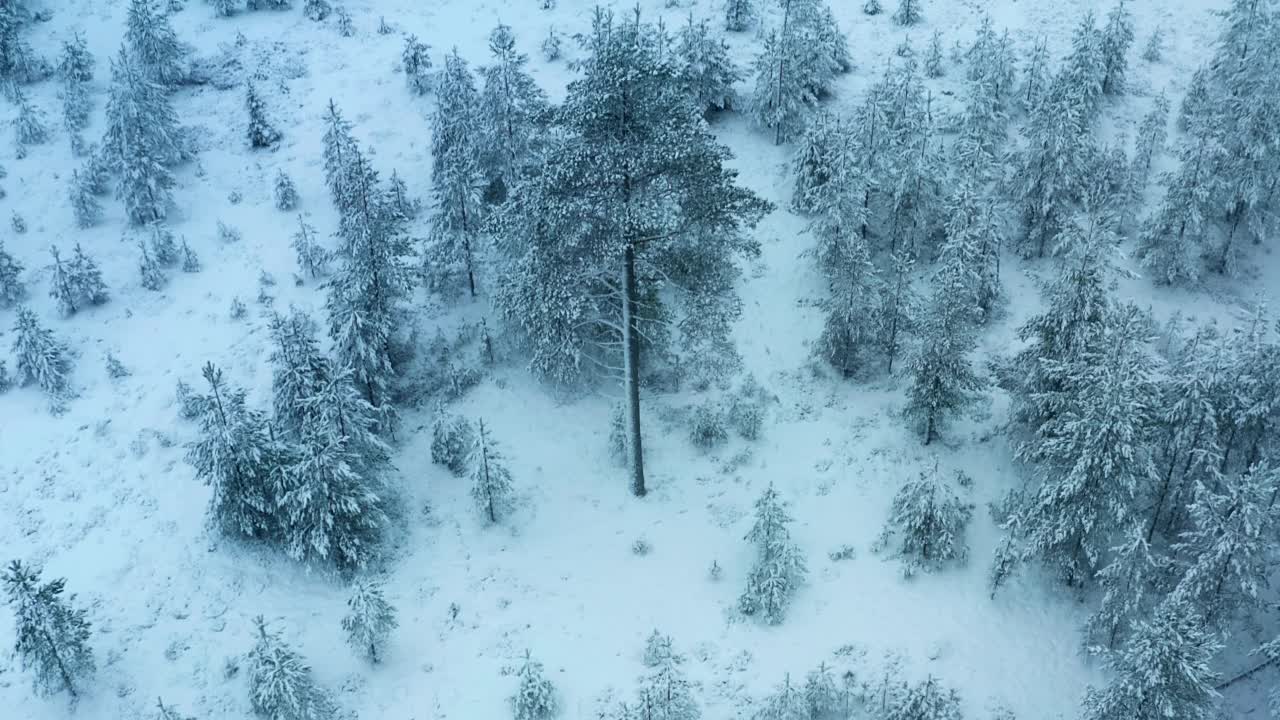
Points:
[[102, 495]]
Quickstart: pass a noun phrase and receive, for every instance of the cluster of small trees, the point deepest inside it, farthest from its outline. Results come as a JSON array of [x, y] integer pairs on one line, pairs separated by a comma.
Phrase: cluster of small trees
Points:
[[797, 66]]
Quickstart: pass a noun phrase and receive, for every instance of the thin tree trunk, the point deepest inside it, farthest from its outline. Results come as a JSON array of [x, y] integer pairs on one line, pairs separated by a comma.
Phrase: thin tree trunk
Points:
[[631, 348]]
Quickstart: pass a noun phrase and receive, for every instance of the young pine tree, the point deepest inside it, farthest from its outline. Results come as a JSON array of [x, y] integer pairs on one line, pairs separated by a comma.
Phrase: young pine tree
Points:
[[510, 110], [491, 481], [77, 283], [12, 289], [706, 71], [943, 383], [739, 15], [1131, 584], [142, 141], [312, 258], [535, 698], [280, 682], [787, 702], [235, 454], [260, 130], [285, 192], [52, 635], [792, 72], [1165, 670], [926, 525], [153, 43], [1117, 38], [909, 12], [369, 620], [456, 179], [1150, 143], [84, 201], [665, 691], [416, 59], [42, 359], [779, 568]]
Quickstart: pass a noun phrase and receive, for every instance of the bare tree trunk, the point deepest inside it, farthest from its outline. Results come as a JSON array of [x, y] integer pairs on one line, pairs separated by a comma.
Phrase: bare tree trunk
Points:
[[631, 381]]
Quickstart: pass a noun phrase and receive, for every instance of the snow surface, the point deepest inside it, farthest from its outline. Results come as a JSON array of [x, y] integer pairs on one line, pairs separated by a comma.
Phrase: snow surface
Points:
[[103, 496]]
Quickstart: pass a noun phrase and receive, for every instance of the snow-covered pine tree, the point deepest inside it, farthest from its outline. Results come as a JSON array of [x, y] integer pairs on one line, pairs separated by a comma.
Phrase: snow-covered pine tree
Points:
[[567, 248], [43, 360], [822, 695], [795, 68], [369, 619], [12, 289], [60, 286], [872, 7], [316, 10], [511, 110], [1171, 240], [926, 525], [821, 148], [933, 56], [268, 4], [18, 62], [142, 141], [29, 127], [780, 568], [943, 383], [75, 68], [1228, 549], [1117, 38], [456, 179], [1165, 670], [1153, 50], [786, 702], [666, 693], [5, 381], [85, 279], [739, 15], [1150, 143], [285, 192], [416, 59], [312, 258], [451, 441], [491, 481], [190, 261], [535, 698], [51, 634], [260, 130], [84, 201], [164, 247], [398, 199], [341, 157], [896, 310], [909, 12], [927, 700], [907, 164], [1092, 452], [1035, 76], [706, 71], [969, 263], [75, 106], [298, 371], [154, 44], [234, 454], [280, 682], [151, 275], [224, 8], [169, 712], [1131, 585]]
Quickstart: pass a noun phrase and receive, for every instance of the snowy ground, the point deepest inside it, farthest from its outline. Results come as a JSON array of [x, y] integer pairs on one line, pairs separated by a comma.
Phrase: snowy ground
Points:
[[103, 496]]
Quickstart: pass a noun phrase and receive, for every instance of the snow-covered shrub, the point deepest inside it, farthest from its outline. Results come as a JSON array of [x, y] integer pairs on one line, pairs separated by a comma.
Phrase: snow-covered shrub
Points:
[[369, 620], [345, 26], [451, 440], [115, 368], [779, 568], [641, 547], [18, 223], [316, 10], [190, 403], [238, 309], [872, 7], [286, 193], [535, 698], [228, 233], [707, 426], [926, 525]]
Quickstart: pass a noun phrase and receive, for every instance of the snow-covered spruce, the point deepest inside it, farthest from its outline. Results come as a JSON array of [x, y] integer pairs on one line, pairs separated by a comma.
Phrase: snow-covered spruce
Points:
[[150, 273], [12, 289], [416, 60], [84, 201], [796, 67], [535, 697], [780, 567], [452, 438], [51, 634], [154, 44], [512, 111], [665, 692], [280, 682], [285, 192], [739, 15], [926, 525], [261, 132], [268, 4], [369, 620], [926, 700], [490, 480], [943, 383], [706, 71], [451, 256], [76, 283], [1117, 38], [909, 12], [316, 10], [29, 128], [312, 258], [42, 359], [786, 702]]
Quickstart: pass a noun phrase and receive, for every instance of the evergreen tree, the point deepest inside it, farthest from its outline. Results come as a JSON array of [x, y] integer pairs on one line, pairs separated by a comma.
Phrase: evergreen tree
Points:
[[60, 287], [943, 383], [235, 455], [341, 158], [316, 10], [12, 289], [933, 56], [299, 371], [1035, 76], [1164, 670], [88, 211], [154, 45], [261, 132], [535, 698], [926, 525], [18, 62], [142, 141], [926, 701], [286, 193], [29, 127], [779, 568], [795, 68], [909, 12], [416, 59], [1153, 51], [1170, 243], [706, 71], [52, 635], [451, 441], [1130, 583], [190, 261], [43, 360], [224, 8], [491, 481], [739, 15], [787, 702], [1151, 139], [85, 279], [665, 693], [822, 147], [76, 70], [649, 201], [970, 258], [312, 258], [821, 694], [151, 275], [896, 309], [511, 109], [369, 620], [168, 712], [1117, 38], [280, 682], [164, 248], [456, 179], [1091, 454], [268, 4]]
